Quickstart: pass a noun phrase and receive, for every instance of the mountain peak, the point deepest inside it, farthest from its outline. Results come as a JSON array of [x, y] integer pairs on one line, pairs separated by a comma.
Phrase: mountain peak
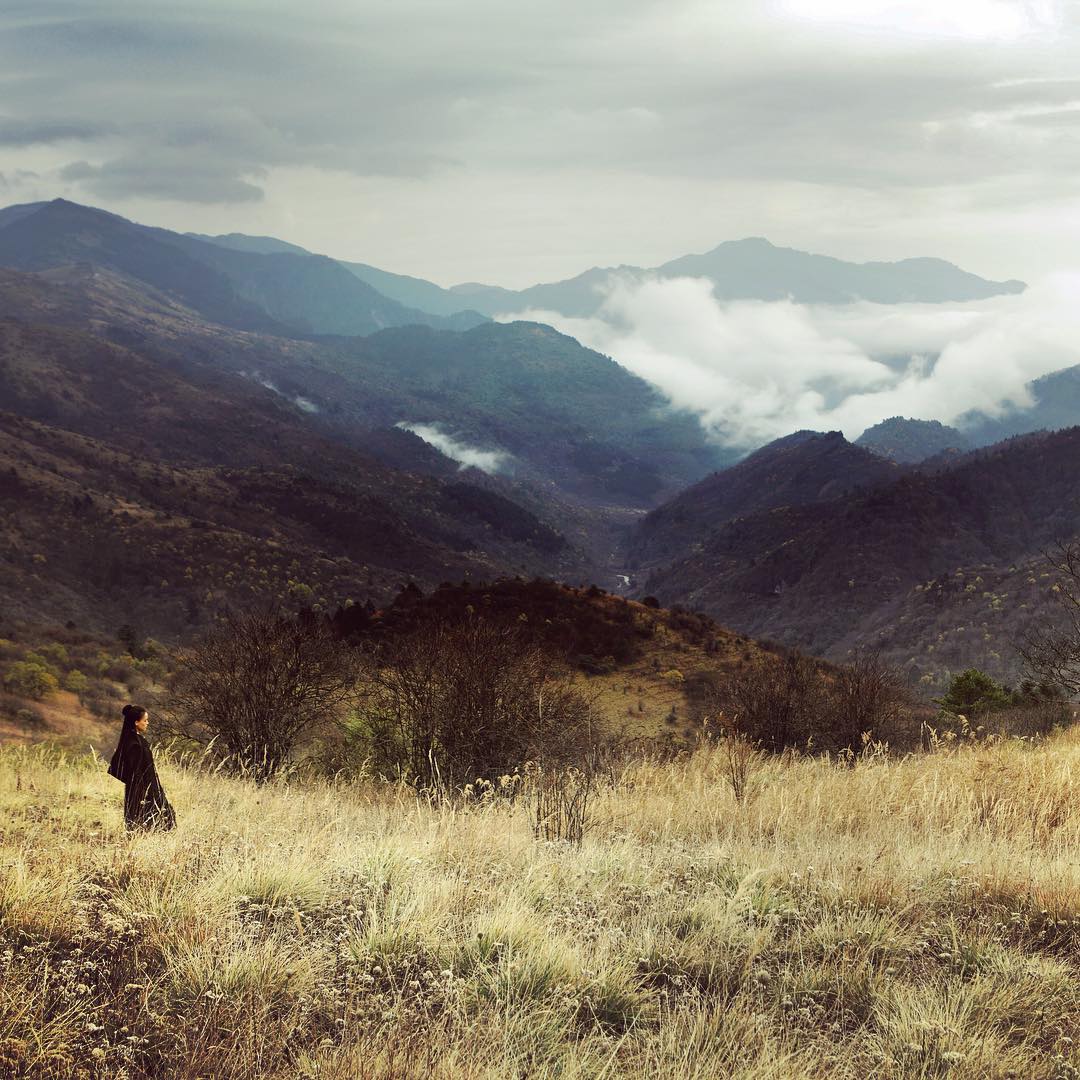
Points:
[[909, 441]]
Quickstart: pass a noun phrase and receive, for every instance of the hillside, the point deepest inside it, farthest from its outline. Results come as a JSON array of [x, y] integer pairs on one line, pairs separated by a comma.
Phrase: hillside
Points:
[[61, 233], [558, 411], [806, 467], [277, 291], [1055, 405], [574, 428], [908, 442], [172, 489], [934, 567], [646, 670]]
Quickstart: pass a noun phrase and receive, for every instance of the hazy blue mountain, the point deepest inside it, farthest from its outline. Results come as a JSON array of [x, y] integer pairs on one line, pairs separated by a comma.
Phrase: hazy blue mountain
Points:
[[278, 291], [60, 233], [908, 441], [256, 245], [413, 292], [12, 213], [751, 269], [754, 269], [311, 293], [1057, 406]]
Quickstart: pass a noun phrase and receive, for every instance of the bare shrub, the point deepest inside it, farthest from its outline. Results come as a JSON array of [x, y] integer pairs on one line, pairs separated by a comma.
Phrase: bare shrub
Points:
[[448, 704], [742, 760], [863, 698], [795, 701], [1051, 652], [558, 801], [778, 704], [259, 685]]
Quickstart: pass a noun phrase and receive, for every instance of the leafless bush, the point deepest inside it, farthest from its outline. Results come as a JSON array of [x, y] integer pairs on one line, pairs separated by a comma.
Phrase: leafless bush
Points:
[[865, 697], [742, 761], [449, 704], [741, 756], [777, 704], [798, 702], [1051, 653], [558, 800], [258, 685]]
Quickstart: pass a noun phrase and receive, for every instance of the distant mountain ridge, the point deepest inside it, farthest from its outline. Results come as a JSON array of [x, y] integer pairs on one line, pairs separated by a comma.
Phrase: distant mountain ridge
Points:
[[754, 269], [278, 291], [749, 269], [413, 292]]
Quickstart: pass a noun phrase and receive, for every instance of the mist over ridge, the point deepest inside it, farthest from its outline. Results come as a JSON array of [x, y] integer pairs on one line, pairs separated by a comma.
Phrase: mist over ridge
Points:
[[754, 370]]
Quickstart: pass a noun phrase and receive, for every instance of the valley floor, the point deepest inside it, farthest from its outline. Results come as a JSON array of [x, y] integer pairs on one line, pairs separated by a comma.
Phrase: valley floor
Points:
[[892, 918]]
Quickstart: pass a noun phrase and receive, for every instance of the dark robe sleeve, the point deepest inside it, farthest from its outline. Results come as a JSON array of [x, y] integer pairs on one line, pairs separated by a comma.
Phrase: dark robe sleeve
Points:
[[132, 761]]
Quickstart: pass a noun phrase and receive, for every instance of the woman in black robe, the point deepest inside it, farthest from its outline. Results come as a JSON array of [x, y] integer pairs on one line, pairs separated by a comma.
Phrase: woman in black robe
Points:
[[145, 805]]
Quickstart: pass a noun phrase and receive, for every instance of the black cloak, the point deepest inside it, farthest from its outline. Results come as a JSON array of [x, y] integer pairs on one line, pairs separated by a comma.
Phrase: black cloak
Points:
[[145, 804]]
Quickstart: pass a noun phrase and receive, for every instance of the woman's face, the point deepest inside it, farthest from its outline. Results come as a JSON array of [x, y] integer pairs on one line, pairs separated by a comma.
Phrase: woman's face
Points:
[[142, 723]]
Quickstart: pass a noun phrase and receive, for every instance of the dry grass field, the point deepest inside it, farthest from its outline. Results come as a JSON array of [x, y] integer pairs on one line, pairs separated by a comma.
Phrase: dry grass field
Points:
[[911, 917]]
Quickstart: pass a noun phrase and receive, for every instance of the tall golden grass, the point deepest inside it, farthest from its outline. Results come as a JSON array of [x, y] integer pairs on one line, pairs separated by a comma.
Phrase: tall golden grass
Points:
[[884, 918]]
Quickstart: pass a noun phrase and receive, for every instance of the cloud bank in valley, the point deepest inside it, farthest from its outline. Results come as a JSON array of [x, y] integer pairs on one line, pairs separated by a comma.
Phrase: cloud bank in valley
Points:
[[755, 370], [489, 461]]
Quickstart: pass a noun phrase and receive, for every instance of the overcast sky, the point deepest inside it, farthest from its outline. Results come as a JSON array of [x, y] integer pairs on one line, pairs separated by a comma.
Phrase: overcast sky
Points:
[[514, 143]]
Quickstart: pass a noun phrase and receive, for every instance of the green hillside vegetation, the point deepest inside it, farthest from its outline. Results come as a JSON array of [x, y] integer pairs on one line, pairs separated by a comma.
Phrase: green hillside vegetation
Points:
[[536, 394]]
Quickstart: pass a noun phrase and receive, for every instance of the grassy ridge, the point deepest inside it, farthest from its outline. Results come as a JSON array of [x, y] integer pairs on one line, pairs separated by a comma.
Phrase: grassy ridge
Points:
[[896, 918]]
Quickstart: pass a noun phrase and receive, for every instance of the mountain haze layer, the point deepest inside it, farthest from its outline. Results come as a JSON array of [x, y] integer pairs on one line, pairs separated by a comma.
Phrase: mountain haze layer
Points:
[[754, 269], [277, 291]]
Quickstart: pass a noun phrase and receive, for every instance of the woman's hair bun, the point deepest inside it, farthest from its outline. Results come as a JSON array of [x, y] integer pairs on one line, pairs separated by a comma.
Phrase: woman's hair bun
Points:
[[127, 710]]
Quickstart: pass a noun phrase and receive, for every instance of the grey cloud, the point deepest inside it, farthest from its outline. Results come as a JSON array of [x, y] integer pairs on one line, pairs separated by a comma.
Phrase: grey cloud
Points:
[[166, 178], [205, 101], [410, 89], [10, 181], [753, 371], [1050, 118], [21, 133]]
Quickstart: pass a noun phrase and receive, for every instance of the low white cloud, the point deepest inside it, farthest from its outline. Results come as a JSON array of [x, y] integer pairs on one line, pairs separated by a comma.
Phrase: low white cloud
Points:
[[489, 461], [754, 370]]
